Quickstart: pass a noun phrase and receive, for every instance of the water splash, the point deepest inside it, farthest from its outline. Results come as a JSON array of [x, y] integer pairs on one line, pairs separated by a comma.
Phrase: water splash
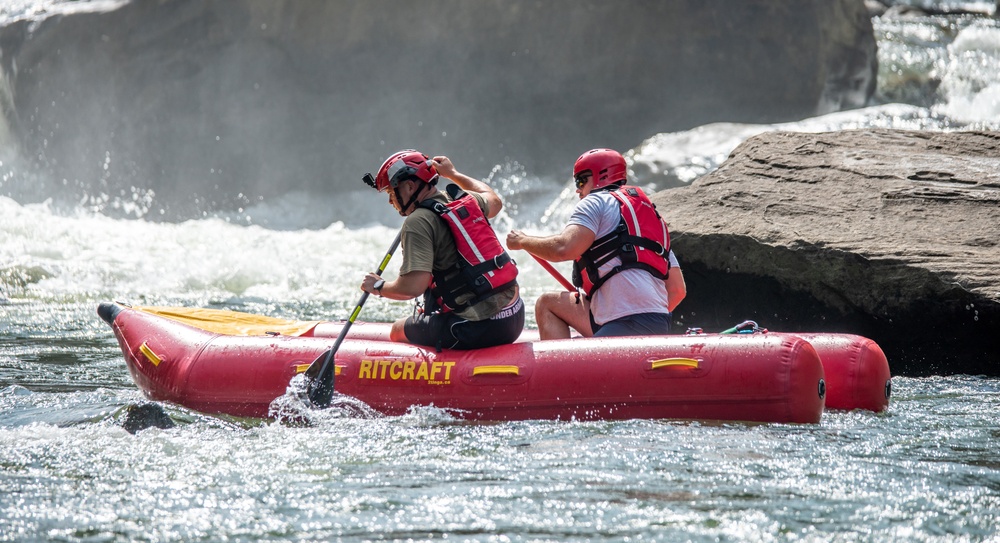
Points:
[[971, 79], [293, 408]]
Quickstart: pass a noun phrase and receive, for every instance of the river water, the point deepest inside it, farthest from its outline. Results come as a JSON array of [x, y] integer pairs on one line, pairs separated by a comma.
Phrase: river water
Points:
[[926, 470]]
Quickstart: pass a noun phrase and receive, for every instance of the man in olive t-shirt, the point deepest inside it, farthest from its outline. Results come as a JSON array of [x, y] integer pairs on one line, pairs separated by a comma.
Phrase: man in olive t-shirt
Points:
[[430, 256]]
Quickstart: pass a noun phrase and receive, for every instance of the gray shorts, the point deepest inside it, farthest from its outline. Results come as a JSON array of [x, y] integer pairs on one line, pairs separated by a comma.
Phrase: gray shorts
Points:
[[640, 324]]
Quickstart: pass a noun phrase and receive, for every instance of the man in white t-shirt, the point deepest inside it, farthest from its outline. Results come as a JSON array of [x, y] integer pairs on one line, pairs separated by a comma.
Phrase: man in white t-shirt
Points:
[[636, 300]]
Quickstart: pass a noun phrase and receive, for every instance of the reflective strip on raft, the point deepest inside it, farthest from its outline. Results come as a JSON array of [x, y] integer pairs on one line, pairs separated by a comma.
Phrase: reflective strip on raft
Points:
[[496, 370], [667, 362], [150, 355]]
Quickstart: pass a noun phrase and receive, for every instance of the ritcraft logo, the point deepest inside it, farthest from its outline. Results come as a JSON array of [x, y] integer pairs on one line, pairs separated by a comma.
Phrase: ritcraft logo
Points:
[[434, 373]]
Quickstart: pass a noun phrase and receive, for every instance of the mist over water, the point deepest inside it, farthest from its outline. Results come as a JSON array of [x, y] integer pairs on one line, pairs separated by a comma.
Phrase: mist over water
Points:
[[926, 470]]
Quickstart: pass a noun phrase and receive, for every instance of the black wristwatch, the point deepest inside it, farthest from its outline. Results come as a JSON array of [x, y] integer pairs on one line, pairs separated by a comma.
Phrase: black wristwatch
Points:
[[377, 287]]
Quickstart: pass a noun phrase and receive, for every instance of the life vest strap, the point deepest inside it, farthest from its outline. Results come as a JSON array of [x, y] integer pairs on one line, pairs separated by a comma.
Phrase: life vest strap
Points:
[[625, 245], [475, 241]]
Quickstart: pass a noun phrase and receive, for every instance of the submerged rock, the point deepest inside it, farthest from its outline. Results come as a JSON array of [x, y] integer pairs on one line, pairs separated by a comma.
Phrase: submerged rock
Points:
[[894, 235], [139, 417]]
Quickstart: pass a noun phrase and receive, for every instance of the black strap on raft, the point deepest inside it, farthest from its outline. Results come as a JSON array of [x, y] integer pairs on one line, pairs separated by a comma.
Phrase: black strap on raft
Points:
[[745, 327]]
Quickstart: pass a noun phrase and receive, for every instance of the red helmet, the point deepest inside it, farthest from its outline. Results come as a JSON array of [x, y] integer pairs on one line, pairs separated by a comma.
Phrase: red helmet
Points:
[[403, 166], [606, 165]]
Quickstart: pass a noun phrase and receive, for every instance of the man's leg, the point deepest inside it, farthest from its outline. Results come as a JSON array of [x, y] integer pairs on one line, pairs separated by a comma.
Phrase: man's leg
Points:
[[557, 312], [427, 329], [397, 333]]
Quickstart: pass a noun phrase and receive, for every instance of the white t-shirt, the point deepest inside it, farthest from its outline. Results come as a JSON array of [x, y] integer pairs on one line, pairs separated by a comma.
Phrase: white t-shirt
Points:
[[628, 292]]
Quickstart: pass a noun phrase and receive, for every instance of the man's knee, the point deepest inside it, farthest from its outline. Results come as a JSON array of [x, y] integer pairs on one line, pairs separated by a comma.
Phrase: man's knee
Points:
[[545, 302], [398, 332]]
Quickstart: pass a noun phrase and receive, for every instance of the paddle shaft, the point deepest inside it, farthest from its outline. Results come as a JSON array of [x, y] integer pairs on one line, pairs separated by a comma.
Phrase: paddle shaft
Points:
[[322, 382], [554, 273]]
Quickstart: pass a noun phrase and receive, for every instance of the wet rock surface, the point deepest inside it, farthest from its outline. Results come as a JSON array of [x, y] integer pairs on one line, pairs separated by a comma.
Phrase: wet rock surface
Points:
[[894, 235]]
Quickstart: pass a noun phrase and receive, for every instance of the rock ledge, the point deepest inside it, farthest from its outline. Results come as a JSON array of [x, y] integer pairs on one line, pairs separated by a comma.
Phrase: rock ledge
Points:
[[884, 233]]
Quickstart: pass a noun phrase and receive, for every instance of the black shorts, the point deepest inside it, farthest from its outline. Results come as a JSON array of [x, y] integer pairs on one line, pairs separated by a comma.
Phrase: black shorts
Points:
[[449, 331]]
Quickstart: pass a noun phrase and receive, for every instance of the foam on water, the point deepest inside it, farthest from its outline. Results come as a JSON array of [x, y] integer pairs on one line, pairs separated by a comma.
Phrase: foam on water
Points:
[[971, 82], [13, 10], [46, 255], [85, 257]]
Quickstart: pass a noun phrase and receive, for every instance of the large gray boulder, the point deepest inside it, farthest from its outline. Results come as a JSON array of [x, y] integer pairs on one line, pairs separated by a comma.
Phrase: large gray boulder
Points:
[[894, 235], [218, 103]]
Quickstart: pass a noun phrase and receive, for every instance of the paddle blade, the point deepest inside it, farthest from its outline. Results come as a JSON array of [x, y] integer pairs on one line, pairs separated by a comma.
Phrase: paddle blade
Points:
[[319, 379]]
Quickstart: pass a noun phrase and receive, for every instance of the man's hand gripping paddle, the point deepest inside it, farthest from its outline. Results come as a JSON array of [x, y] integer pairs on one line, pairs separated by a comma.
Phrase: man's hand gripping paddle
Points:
[[320, 375]]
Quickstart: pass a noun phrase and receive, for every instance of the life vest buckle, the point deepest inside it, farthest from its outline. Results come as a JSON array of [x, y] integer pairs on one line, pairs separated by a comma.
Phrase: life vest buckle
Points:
[[500, 260]]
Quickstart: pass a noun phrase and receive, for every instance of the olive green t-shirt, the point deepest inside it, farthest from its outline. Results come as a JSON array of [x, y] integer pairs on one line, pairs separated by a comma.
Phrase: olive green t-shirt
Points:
[[428, 245]]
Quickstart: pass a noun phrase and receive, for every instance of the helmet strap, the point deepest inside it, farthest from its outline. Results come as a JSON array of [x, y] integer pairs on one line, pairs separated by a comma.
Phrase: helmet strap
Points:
[[416, 194]]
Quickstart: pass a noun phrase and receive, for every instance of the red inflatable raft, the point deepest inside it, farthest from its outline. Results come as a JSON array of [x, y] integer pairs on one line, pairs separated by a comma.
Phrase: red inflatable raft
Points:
[[236, 363]]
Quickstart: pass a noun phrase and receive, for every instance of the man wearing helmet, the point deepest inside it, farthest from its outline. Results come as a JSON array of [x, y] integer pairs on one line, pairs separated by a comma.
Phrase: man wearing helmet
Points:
[[622, 258], [451, 256]]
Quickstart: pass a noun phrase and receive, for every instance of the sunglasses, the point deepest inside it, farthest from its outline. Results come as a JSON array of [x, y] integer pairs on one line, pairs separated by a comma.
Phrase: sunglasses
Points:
[[582, 180]]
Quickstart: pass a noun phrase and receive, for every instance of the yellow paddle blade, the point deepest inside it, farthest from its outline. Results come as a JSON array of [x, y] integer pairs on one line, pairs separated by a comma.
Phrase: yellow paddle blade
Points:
[[233, 323]]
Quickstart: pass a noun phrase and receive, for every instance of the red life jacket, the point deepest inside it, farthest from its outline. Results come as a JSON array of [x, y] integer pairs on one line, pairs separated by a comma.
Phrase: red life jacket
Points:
[[483, 267], [641, 241]]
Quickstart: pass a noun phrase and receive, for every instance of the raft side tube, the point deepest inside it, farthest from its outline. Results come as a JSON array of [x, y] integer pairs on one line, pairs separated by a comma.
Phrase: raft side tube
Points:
[[740, 378], [857, 371]]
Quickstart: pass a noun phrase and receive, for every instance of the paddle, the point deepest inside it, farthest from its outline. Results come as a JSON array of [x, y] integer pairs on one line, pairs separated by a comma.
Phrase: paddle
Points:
[[554, 273], [320, 374]]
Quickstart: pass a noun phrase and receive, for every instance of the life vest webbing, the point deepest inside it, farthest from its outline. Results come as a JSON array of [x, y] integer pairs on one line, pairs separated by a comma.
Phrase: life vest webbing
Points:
[[627, 245], [482, 269]]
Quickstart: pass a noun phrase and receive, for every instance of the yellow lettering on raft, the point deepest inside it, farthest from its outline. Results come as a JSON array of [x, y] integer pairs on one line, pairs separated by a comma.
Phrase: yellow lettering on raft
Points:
[[406, 370]]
